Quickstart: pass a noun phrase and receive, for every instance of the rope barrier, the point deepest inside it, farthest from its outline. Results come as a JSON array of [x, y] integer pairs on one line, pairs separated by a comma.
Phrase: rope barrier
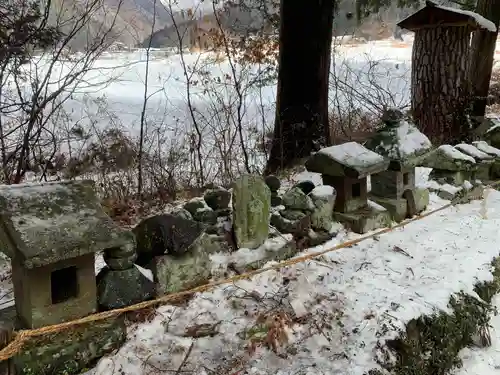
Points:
[[22, 336]]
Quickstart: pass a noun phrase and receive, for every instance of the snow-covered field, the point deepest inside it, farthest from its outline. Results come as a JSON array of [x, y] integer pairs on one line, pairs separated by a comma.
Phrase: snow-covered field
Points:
[[377, 72], [360, 66], [112, 92]]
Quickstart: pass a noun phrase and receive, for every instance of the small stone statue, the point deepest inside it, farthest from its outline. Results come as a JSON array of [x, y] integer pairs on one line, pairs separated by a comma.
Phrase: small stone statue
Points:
[[121, 283], [392, 116], [274, 185]]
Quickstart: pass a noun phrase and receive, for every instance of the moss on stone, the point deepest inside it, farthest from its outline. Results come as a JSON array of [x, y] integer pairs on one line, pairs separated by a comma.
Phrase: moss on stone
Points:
[[72, 351], [431, 343]]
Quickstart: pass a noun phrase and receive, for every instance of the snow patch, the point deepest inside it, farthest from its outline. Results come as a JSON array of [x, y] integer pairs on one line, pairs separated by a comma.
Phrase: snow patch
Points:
[[147, 273], [323, 191], [431, 184], [472, 151], [453, 153], [410, 139], [485, 147], [376, 206], [494, 127]]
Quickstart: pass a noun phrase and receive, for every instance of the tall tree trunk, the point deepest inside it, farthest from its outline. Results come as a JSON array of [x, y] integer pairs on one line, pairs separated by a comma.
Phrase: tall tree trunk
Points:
[[482, 55], [439, 83], [301, 122]]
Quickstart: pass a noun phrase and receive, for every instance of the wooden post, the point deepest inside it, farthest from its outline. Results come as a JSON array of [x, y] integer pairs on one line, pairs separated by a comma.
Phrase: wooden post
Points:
[[6, 336]]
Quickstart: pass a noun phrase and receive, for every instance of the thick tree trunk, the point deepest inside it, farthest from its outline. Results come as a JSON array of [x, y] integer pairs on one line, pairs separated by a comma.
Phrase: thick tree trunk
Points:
[[439, 83], [482, 55], [301, 122]]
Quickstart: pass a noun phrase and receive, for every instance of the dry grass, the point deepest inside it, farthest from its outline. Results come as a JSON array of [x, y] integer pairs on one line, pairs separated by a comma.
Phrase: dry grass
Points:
[[352, 126]]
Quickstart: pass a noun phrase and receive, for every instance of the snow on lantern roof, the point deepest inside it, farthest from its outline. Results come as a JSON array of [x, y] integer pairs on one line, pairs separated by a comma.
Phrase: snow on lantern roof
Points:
[[447, 157], [437, 15], [348, 159]]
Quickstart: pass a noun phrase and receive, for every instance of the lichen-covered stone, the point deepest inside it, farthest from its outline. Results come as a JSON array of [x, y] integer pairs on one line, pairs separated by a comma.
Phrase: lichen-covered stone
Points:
[[421, 199], [454, 178], [176, 273], [273, 182], [55, 227], [120, 252], [271, 253], [489, 130], [306, 186], [54, 221], [296, 199], [494, 170], [120, 288], [366, 219], [218, 198], [319, 237], [120, 258], [473, 151], [251, 208], [69, 352], [392, 184], [292, 214], [483, 160], [397, 207], [323, 198], [206, 215], [182, 212], [159, 234], [276, 200], [224, 212], [485, 147], [194, 204], [299, 227], [120, 263]]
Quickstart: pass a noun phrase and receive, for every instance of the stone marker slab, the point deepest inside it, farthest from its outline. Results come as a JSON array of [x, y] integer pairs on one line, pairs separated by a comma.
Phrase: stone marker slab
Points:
[[251, 209]]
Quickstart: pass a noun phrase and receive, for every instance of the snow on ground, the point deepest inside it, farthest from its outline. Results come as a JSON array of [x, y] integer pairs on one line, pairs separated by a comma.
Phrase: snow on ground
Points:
[[332, 310]]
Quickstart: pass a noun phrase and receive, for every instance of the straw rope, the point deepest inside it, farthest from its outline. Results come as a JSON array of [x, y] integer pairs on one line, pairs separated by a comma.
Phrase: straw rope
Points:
[[22, 336]]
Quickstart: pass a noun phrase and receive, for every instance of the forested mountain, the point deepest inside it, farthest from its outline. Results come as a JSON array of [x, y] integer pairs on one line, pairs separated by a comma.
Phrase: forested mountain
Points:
[[136, 21]]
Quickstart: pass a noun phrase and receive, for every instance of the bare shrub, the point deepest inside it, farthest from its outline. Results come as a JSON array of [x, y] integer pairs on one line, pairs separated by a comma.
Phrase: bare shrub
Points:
[[359, 93], [36, 84]]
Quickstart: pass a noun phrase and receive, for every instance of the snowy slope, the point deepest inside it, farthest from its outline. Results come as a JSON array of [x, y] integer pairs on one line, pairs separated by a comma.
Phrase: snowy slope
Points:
[[332, 311]]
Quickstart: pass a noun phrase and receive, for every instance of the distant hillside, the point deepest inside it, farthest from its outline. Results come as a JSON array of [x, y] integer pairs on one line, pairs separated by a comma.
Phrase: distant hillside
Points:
[[249, 18], [133, 23], [237, 20]]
